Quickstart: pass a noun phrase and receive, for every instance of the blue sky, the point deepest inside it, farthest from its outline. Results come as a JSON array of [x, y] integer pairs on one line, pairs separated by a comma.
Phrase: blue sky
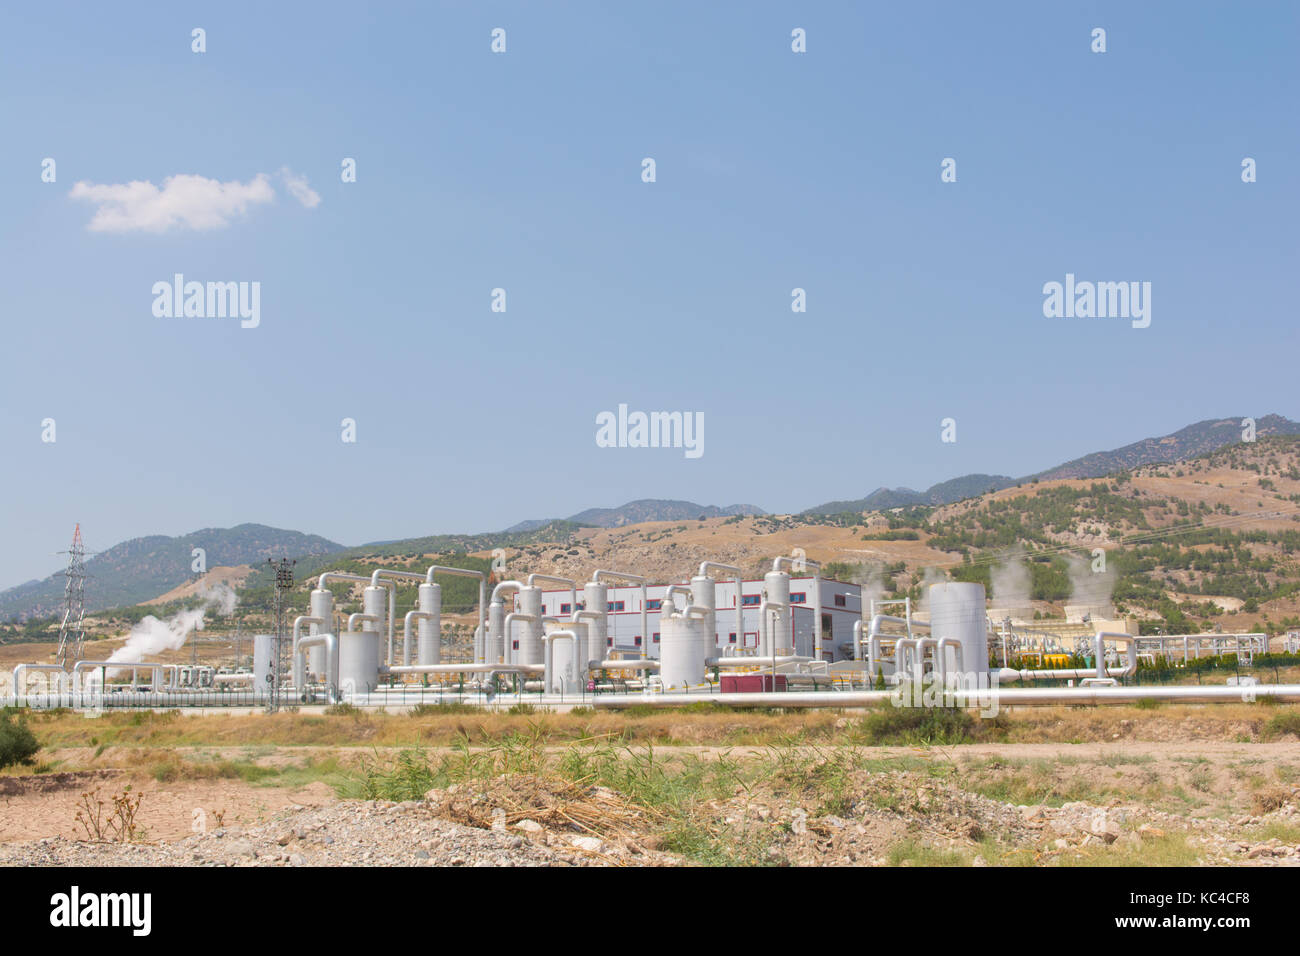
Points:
[[521, 170]]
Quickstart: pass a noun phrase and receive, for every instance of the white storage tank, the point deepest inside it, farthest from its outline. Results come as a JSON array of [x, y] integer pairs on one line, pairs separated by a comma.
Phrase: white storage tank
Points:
[[776, 588], [263, 663], [358, 662], [374, 602], [704, 593], [322, 606], [429, 630], [494, 651], [684, 645], [957, 611], [529, 633], [596, 598]]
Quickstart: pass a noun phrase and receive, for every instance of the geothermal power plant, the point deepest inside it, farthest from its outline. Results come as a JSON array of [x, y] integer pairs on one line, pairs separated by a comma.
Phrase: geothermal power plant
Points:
[[790, 640]]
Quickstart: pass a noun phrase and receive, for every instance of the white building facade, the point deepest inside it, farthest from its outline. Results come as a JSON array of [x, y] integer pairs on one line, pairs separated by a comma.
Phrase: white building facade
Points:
[[841, 607]]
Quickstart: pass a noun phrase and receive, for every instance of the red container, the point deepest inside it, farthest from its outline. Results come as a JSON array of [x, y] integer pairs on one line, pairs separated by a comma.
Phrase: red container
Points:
[[751, 683]]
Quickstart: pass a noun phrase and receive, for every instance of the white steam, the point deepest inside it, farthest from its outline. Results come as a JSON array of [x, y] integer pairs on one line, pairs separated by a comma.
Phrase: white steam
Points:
[[1012, 584], [153, 636]]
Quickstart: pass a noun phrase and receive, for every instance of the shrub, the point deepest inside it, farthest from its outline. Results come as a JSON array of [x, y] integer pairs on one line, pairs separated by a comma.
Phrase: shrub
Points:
[[17, 742], [916, 725], [343, 710], [1279, 725]]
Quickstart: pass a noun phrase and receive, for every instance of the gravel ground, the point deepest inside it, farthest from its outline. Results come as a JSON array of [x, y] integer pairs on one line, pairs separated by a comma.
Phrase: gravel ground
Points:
[[351, 833]]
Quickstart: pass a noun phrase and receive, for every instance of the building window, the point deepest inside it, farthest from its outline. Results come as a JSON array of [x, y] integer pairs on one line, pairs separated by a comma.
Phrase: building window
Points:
[[752, 600], [731, 638], [656, 637], [609, 642], [515, 645], [654, 604], [799, 597], [637, 640], [565, 608], [614, 606], [841, 600]]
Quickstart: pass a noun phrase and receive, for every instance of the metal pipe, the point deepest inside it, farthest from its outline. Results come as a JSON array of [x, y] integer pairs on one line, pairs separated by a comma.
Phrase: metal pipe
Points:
[[20, 678], [633, 664], [466, 669], [548, 669], [480, 636], [415, 614], [739, 578], [300, 666], [635, 579], [573, 587], [972, 698], [320, 639], [817, 595], [509, 651]]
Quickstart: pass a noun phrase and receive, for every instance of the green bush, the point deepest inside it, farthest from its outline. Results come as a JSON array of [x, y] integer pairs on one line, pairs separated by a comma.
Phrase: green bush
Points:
[[444, 708], [17, 742], [1279, 725], [343, 710], [916, 725]]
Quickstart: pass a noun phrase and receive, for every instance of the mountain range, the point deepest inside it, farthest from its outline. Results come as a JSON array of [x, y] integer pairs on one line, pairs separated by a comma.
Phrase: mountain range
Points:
[[139, 570], [143, 568], [644, 509]]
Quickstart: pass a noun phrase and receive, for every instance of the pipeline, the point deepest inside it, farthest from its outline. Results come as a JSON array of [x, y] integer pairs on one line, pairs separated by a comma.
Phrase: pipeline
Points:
[[973, 698]]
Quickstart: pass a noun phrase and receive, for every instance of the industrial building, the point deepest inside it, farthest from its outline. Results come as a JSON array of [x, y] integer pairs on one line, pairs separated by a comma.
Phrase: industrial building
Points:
[[841, 606]]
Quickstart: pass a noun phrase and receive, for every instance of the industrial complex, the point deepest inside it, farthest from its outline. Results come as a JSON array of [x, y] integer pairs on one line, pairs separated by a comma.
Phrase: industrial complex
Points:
[[789, 639]]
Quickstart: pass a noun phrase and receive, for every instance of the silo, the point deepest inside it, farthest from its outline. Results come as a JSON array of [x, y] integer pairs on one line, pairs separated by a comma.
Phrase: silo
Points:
[[683, 648], [704, 593], [263, 663], [776, 588], [596, 598], [374, 602], [957, 611], [358, 662], [529, 633], [429, 630], [494, 651], [322, 606]]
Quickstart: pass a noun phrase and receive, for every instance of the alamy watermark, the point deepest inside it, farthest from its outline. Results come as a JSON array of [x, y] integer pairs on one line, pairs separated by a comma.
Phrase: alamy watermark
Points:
[[626, 429], [1100, 300], [210, 300]]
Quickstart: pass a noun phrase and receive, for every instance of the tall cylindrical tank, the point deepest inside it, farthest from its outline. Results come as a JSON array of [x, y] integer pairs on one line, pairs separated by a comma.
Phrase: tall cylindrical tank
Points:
[[375, 602], [358, 662], [683, 649], [495, 651], [263, 663], [529, 633], [776, 588], [957, 611], [704, 593], [568, 663], [322, 606], [596, 598], [429, 630]]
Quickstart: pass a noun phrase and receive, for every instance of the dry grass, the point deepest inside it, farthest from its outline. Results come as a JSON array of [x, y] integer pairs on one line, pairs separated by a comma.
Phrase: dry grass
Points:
[[720, 727]]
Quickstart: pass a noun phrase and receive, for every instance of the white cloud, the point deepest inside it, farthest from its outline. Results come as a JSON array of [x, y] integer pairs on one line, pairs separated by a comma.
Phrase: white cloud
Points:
[[297, 185], [183, 202]]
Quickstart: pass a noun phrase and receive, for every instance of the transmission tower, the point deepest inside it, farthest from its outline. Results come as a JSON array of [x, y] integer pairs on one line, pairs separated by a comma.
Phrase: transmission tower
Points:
[[280, 658], [72, 634]]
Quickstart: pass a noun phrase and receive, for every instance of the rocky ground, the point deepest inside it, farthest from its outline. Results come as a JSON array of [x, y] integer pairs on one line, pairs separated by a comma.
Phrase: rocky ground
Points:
[[895, 817], [350, 833]]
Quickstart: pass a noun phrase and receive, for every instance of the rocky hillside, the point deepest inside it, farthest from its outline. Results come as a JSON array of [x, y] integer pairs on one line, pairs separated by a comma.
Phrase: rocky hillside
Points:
[[641, 510], [143, 568]]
